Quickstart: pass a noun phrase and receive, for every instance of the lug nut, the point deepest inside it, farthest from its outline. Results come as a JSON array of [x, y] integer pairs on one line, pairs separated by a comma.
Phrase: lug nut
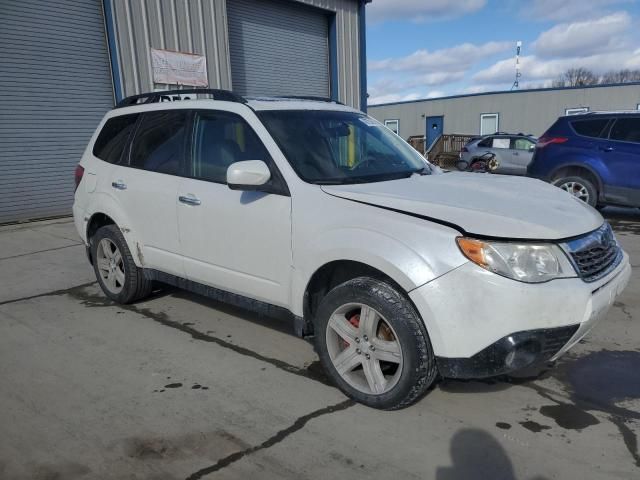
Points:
[[372, 348], [358, 351], [367, 356], [365, 338], [357, 340]]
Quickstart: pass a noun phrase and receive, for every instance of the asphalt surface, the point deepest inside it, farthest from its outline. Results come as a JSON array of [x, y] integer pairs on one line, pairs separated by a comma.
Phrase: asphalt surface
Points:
[[180, 387]]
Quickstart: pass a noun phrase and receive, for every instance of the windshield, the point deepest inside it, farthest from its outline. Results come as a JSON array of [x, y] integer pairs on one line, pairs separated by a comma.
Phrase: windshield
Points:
[[329, 147]]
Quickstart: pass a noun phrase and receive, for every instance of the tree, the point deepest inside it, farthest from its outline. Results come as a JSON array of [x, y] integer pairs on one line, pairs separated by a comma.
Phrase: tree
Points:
[[621, 76], [579, 77]]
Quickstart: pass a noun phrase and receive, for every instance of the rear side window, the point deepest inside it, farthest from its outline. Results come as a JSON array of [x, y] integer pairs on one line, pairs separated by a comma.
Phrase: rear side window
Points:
[[626, 129], [590, 128], [486, 143], [113, 137], [159, 142], [220, 139], [521, 143]]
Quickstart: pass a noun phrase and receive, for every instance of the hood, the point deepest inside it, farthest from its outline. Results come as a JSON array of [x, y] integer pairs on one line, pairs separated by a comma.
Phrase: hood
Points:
[[481, 204]]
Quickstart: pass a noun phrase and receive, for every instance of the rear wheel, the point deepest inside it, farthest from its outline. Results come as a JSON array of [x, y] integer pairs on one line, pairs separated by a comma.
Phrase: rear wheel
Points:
[[579, 187], [119, 277], [374, 345]]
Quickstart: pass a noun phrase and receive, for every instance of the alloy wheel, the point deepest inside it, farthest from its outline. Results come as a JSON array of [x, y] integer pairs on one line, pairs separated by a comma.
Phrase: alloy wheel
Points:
[[110, 265], [364, 348], [577, 190]]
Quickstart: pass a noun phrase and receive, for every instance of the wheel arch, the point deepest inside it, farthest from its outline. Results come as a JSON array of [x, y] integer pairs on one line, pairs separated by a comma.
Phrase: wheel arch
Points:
[[576, 169], [106, 216]]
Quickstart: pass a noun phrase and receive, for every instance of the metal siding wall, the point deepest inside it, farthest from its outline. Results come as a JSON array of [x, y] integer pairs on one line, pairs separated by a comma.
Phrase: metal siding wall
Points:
[[182, 24], [194, 26], [528, 112], [55, 88], [278, 50]]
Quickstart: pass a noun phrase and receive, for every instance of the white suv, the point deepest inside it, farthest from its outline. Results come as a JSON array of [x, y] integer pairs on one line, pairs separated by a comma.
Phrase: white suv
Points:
[[400, 271]]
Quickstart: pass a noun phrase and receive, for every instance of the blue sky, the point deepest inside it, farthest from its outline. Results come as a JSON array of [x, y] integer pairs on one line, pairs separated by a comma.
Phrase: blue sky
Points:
[[433, 48]]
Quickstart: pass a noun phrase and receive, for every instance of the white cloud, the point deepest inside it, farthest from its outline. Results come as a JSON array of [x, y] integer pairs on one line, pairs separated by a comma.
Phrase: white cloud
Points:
[[584, 38], [421, 10], [535, 69], [562, 10], [393, 97], [453, 59]]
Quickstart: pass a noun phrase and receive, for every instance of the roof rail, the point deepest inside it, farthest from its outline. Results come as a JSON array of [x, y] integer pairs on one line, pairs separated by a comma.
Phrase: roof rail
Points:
[[153, 97], [309, 97]]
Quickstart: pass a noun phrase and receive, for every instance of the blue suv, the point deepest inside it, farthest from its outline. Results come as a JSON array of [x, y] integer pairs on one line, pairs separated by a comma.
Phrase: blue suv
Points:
[[595, 156]]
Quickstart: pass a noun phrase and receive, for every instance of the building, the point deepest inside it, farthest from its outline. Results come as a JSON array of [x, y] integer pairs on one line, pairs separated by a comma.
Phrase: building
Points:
[[517, 111], [63, 64]]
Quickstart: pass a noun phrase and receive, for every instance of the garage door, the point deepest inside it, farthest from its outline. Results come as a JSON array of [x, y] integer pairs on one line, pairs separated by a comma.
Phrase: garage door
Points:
[[278, 48], [55, 86]]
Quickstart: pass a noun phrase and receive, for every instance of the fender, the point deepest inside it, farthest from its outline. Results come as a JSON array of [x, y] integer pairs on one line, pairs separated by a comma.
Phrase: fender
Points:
[[397, 260], [106, 204]]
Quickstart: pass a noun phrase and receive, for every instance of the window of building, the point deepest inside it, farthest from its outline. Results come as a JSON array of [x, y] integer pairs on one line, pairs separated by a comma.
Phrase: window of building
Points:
[[393, 125], [160, 141], [489, 123], [590, 128], [576, 111], [626, 130], [113, 137], [220, 139]]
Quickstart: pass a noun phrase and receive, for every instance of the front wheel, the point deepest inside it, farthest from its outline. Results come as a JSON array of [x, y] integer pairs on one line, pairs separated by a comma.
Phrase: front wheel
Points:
[[579, 187], [373, 344]]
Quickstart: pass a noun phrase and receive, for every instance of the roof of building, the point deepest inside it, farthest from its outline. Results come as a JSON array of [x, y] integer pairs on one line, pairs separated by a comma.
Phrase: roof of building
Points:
[[501, 92]]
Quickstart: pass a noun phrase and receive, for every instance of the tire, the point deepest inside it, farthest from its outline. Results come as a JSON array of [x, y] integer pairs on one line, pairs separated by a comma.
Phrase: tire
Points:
[[359, 370], [120, 279], [462, 165], [580, 187]]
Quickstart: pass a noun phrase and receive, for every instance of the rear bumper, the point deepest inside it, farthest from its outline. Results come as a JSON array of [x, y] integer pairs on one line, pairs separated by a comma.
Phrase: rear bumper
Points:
[[481, 324]]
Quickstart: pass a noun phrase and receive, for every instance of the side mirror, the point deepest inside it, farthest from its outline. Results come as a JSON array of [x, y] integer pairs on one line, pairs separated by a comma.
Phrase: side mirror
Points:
[[248, 175]]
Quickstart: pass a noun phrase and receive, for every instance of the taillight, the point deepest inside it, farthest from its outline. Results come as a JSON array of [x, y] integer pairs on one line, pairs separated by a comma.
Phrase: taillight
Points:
[[78, 175], [545, 140]]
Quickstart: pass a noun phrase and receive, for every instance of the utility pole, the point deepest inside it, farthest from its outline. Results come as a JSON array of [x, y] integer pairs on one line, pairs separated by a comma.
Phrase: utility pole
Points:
[[516, 83]]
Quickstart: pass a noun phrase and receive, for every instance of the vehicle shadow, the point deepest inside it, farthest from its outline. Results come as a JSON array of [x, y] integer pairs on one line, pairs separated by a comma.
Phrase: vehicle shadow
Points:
[[623, 220], [477, 454]]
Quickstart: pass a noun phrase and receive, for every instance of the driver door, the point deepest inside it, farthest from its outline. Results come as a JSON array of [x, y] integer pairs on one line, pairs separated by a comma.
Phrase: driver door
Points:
[[238, 241]]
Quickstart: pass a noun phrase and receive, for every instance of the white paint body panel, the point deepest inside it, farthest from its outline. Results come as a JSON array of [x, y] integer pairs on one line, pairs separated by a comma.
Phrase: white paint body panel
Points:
[[267, 246]]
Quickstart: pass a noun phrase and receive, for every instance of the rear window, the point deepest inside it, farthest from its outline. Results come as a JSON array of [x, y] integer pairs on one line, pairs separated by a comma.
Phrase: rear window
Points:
[[590, 128], [113, 137], [159, 142], [626, 130]]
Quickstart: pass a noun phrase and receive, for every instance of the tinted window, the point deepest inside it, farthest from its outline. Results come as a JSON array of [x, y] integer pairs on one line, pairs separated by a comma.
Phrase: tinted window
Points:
[[113, 137], [590, 128], [159, 142], [220, 139], [626, 129], [521, 143], [486, 143]]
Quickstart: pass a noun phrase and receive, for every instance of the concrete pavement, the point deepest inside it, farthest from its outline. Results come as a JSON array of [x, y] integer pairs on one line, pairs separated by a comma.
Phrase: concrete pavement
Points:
[[182, 387]]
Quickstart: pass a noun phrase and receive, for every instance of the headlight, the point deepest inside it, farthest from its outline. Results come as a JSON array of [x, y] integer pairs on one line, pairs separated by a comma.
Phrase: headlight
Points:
[[531, 263]]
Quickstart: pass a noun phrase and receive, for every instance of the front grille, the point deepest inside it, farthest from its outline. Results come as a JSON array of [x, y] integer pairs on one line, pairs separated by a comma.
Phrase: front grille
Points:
[[596, 254]]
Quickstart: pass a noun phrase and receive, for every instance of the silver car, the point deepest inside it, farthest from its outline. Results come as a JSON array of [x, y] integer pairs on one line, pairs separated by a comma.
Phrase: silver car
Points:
[[513, 151]]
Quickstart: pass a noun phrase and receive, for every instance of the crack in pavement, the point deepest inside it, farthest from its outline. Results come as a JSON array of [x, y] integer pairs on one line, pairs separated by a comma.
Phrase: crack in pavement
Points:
[[271, 441]]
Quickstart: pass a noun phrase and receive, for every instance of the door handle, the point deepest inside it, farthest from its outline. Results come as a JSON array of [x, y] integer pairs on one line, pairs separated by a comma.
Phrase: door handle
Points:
[[607, 149], [189, 200], [516, 153], [119, 185]]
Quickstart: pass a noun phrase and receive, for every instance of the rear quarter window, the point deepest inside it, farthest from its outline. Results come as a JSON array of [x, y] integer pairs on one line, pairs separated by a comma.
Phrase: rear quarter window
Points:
[[113, 137], [590, 128]]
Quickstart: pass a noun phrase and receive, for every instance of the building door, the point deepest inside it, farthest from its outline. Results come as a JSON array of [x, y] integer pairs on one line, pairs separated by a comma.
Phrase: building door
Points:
[[277, 48], [55, 88], [435, 126]]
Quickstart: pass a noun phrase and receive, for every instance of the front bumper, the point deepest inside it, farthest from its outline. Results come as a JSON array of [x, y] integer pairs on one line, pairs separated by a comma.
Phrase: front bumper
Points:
[[481, 324]]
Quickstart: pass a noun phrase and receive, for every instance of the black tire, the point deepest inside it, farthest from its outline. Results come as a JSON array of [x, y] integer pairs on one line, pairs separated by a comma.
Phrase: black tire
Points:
[[419, 368], [589, 187], [462, 165], [135, 285]]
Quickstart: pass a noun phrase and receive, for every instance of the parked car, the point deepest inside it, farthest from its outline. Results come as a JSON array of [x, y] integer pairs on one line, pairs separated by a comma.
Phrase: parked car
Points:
[[513, 152], [401, 272], [594, 156]]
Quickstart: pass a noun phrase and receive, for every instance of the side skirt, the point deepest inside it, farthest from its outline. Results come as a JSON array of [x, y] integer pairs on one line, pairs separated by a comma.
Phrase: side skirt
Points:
[[300, 327]]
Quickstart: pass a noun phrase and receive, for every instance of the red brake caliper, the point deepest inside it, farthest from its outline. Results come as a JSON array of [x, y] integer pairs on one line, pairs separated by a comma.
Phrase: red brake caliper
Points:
[[355, 321]]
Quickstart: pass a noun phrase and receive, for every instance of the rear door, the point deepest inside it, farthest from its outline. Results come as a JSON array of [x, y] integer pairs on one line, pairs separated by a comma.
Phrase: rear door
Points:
[[146, 187], [622, 157], [501, 148], [521, 154]]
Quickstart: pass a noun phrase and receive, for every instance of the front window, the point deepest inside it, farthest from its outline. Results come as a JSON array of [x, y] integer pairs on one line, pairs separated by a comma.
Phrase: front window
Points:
[[329, 147]]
